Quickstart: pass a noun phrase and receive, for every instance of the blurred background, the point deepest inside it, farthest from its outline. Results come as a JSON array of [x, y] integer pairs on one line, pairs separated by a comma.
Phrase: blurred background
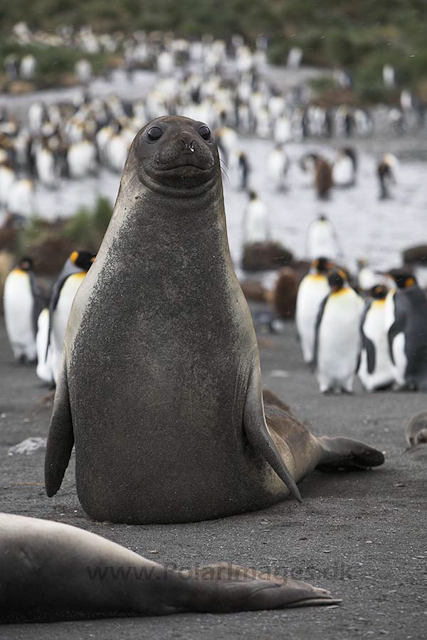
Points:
[[318, 108]]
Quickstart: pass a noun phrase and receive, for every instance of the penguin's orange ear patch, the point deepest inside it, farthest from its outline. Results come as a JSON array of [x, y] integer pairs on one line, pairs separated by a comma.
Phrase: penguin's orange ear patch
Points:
[[74, 256], [342, 274], [409, 282]]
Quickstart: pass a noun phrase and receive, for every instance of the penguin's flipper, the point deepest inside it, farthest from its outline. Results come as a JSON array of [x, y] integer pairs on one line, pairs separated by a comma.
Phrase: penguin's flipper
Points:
[[317, 330], [258, 434], [367, 344], [60, 440], [40, 301], [369, 347], [396, 328]]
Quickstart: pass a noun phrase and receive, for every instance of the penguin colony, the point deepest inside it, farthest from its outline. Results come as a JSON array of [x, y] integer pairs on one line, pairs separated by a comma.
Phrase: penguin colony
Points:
[[208, 81]]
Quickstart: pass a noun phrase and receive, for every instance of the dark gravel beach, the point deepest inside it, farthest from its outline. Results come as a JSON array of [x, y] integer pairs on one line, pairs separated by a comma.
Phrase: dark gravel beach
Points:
[[360, 534]]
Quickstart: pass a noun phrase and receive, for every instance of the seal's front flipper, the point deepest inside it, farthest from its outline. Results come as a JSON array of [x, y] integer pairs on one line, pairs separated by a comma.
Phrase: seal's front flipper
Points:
[[346, 454], [60, 440], [258, 434]]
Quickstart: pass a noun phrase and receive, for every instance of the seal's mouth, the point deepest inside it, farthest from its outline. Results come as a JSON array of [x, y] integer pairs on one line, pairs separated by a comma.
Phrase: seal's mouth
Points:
[[187, 166], [184, 170], [187, 163], [189, 172]]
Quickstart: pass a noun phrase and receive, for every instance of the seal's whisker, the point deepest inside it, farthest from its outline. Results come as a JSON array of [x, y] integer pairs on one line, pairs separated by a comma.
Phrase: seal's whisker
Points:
[[224, 173]]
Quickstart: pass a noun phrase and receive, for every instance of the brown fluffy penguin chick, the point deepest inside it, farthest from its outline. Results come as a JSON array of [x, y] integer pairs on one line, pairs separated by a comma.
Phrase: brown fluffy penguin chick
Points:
[[284, 297]]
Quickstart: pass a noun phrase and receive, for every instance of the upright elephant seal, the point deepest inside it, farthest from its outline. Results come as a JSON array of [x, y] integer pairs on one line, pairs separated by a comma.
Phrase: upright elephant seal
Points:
[[51, 571], [160, 385]]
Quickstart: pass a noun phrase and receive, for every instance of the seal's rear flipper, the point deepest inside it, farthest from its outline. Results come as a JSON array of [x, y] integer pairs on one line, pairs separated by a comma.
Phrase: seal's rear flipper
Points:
[[347, 454], [244, 589], [60, 440], [258, 434]]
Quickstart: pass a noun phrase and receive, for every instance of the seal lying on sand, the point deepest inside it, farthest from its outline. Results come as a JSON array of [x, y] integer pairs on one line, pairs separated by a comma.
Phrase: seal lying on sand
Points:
[[51, 571], [160, 387]]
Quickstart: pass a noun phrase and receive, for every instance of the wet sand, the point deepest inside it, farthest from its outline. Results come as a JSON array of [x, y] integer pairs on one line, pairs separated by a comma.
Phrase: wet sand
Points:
[[360, 534]]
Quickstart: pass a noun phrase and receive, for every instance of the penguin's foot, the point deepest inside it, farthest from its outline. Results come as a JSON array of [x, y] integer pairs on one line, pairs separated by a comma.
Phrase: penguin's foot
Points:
[[343, 454], [348, 391], [48, 398], [408, 387], [327, 391], [334, 391]]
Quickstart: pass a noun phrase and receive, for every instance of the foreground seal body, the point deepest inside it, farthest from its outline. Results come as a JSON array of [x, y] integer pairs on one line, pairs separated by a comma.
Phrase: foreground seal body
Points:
[[160, 388], [51, 571]]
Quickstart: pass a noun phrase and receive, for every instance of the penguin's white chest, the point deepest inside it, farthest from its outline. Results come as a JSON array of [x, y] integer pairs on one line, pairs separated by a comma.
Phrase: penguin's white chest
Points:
[[7, 177], [282, 130], [343, 172], [276, 167], [117, 151], [20, 198], [321, 241], [65, 302], [339, 336], [18, 311], [312, 291], [81, 159], [45, 163], [60, 319], [255, 226], [44, 366]]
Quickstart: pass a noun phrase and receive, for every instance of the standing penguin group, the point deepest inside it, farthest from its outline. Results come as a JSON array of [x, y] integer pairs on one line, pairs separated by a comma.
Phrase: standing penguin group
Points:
[[379, 332], [36, 324]]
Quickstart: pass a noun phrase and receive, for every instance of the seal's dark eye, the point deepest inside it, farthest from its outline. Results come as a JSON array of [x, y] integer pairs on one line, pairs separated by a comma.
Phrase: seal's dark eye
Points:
[[205, 132], [154, 133]]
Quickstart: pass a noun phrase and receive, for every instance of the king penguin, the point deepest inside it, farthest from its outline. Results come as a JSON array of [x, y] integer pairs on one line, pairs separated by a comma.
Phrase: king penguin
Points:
[[337, 337], [23, 301], [322, 239], [375, 369], [312, 291], [64, 290], [406, 323]]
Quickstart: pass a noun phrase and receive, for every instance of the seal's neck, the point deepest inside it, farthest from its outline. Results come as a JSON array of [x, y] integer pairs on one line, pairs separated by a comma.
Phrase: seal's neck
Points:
[[181, 232]]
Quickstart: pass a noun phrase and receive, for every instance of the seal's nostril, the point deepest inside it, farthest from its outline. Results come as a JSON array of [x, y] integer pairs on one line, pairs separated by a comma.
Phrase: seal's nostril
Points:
[[188, 145]]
